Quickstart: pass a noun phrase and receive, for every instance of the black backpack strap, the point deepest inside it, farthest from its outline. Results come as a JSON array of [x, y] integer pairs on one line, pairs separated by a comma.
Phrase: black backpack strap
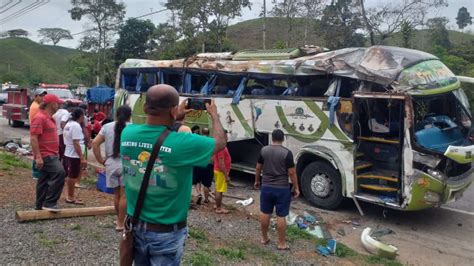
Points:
[[146, 176]]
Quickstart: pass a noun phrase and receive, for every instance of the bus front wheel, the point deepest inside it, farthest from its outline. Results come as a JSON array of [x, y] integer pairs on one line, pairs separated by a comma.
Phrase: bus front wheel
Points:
[[321, 184]]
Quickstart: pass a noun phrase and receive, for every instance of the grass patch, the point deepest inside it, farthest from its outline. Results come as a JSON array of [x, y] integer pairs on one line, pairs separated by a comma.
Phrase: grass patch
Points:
[[10, 160], [344, 251], [47, 242], [230, 253], [89, 181], [201, 258], [257, 251], [75, 227], [198, 234], [373, 259], [95, 236], [294, 233]]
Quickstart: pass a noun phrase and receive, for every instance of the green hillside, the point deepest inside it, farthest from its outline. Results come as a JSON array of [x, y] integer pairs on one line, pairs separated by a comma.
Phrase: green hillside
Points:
[[26, 62], [248, 35]]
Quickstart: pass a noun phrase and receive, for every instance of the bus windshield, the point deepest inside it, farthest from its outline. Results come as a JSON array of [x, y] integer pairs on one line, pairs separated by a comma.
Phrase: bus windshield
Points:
[[442, 120], [61, 93], [431, 74]]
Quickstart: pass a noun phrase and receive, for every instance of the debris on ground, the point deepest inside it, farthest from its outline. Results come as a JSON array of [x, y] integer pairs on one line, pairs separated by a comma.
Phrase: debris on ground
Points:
[[381, 232], [328, 249], [376, 247], [12, 146], [246, 202], [316, 231], [341, 232]]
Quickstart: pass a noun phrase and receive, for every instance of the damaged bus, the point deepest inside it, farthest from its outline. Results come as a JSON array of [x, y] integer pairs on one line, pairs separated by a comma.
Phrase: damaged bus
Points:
[[385, 125]]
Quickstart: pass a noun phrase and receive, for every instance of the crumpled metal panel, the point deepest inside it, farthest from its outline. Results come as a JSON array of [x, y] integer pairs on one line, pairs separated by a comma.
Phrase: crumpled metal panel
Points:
[[379, 64]]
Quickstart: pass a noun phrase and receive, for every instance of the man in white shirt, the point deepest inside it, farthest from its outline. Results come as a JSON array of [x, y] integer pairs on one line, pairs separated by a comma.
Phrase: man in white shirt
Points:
[[74, 158], [58, 117]]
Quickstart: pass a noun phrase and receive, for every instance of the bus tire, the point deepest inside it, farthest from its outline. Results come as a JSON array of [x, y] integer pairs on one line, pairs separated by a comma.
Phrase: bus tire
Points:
[[321, 185], [16, 123]]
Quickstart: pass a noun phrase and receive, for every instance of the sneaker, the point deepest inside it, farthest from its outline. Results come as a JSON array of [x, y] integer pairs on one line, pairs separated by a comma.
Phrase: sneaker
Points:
[[51, 208]]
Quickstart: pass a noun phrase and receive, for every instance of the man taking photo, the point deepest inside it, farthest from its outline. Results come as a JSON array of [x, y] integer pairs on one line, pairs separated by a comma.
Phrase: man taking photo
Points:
[[161, 230]]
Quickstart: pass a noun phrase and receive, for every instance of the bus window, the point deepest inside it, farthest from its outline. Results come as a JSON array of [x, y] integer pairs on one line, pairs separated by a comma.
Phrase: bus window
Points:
[[148, 79], [174, 79], [226, 85], [195, 81], [259, 86], [348, 86], [314, 86], [129, 81]]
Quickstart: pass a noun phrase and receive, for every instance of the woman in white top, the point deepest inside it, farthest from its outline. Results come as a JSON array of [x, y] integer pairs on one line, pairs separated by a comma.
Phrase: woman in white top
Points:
[[110, 134], [74, 159]]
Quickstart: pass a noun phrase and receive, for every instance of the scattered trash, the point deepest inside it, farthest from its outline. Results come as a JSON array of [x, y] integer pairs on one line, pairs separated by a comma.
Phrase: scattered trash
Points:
[[291, 218], [341, 232], [309, 218], [11, 146], [23, 151], [376, 247], [301, 224], [246, 202], [355, 223], [330, 248], [316, 231], [381, 232]]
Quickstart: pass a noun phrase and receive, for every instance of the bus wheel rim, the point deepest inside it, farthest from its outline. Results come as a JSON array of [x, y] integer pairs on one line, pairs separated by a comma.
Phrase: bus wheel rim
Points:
[[320, 185]]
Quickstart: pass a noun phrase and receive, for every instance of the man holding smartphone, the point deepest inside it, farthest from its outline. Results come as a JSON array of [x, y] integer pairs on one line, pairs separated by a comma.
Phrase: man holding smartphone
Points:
[[276, 163]]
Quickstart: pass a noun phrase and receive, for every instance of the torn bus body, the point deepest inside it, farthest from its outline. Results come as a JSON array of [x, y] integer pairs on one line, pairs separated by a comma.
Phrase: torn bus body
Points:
[[382, 124]]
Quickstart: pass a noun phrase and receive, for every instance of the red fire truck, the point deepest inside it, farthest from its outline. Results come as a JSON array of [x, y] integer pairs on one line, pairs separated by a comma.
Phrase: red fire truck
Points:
[[19, 101]]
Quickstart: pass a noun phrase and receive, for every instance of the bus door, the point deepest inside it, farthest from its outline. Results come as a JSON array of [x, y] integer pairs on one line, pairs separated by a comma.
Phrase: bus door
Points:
[[378, 134]]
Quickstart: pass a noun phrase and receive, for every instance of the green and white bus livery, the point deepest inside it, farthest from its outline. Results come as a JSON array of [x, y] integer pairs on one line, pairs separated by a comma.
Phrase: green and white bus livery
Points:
[[382, 124]]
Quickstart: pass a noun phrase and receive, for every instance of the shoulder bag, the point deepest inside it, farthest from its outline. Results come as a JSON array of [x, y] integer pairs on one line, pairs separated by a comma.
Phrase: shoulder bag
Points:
[[126, 243]]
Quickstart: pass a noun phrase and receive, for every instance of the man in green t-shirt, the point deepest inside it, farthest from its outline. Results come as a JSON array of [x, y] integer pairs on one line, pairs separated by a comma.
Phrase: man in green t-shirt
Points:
[[161, 230]]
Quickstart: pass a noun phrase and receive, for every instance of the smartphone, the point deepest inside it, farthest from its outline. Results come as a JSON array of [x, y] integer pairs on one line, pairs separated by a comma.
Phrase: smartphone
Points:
[[198, 103]]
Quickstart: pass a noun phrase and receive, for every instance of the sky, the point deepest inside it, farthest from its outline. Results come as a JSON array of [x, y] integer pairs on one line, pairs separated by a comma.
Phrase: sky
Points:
[[54, 13]]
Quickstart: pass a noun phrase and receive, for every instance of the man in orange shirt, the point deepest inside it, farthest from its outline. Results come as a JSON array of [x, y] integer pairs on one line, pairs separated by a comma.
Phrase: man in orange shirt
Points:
[[35, 105], [33, 111]]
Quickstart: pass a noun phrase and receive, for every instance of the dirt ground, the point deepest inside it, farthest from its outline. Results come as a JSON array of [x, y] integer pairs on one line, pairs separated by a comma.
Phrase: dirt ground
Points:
[[213, 239]]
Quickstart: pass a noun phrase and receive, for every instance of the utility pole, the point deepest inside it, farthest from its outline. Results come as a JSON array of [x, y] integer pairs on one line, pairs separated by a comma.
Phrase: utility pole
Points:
[[264, 25]]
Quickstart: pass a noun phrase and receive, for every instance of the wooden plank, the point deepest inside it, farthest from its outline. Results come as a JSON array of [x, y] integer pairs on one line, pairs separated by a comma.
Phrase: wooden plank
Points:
[[387, 178], [33, 215], [379, 188]]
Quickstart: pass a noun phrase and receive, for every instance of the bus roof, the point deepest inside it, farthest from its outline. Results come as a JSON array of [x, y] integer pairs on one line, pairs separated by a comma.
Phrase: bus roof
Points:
[[379, 64]]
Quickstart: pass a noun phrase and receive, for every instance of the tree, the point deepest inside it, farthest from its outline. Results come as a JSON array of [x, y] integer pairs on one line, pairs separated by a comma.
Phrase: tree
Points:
[[407, 33], [438, 32], [106, 16], [288, 9], [464, 18], [388, 17], [206, 18], [17, 33], [340, 25], [54, 35], [135, 39]]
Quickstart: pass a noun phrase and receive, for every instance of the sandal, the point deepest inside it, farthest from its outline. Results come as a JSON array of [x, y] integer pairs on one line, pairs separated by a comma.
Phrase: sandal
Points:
[[222, 211], [284, 248], [265, 242], [119, 229], [75, 202]]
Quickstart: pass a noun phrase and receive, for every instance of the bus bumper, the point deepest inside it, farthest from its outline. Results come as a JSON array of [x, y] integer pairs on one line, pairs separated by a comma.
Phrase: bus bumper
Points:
[[428, 192]]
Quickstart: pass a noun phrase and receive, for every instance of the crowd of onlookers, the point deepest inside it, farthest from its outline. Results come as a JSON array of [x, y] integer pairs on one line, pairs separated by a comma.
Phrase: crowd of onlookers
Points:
[[151, 167]]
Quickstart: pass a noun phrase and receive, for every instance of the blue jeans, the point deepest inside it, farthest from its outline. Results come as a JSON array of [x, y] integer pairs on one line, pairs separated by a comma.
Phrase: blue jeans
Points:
[[152, 248]]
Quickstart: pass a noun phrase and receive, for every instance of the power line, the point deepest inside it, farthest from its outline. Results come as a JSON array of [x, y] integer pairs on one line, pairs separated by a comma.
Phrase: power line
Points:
[[141, 16], [5, 5], [34, 6], [19, 1], [21, 10]]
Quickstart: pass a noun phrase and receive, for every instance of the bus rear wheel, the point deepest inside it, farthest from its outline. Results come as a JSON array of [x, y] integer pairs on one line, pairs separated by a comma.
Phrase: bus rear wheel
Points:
[[16, 123], [321, 185]]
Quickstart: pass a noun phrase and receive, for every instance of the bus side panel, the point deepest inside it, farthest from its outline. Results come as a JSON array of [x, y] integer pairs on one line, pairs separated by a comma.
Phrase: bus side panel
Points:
[[308, 129]]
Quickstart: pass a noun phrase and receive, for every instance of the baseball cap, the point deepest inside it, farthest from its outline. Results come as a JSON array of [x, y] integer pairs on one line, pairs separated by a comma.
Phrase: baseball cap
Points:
[[40, 92], [51, 98]]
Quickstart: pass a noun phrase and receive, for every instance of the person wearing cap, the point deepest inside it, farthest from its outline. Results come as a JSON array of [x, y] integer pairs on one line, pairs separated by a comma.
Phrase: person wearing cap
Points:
[[45, 146], [35, 105]]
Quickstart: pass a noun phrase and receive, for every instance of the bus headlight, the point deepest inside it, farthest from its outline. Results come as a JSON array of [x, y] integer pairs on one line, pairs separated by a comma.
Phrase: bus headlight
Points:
[[431, 197], [436, 174]]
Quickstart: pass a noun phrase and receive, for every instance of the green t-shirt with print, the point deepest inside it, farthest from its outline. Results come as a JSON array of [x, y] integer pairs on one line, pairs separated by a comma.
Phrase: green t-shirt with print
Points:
[[169, 192]]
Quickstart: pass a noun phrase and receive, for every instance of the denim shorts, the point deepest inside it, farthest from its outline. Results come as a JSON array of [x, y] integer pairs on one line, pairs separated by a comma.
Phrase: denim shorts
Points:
[[152, 248], [275, 198]]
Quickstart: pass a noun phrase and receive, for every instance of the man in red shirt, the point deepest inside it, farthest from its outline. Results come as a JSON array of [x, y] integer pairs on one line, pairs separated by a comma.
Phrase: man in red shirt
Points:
[[222, 164], [45, 145]]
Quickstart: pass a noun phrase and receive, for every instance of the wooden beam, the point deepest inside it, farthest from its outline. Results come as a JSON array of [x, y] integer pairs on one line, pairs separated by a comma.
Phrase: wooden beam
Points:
[[24, 216]]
